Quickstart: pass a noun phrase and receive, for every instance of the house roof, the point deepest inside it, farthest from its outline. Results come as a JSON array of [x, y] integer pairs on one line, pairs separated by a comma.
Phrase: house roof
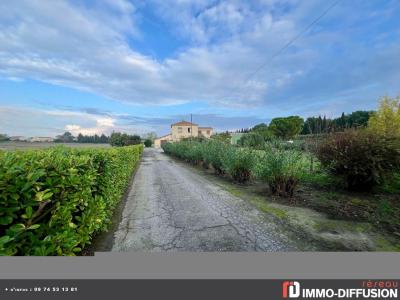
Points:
[[184, 123], [163, 136]]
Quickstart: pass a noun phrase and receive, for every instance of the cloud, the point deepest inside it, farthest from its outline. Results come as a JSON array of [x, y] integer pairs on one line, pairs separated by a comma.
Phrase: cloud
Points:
[[94, 47]]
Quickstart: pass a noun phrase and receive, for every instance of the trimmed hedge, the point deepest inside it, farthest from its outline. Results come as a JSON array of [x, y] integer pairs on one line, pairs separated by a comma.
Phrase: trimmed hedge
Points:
[[53, 201]]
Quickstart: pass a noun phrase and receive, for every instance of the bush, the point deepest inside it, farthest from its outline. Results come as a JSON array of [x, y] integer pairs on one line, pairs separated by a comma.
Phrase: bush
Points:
[[238, 163], [223, 158], [148, 143], [194, 152], [282, 170], [361, 158], [213, 154], [53, 201], [122, 139], [386, 121], [252, 140]]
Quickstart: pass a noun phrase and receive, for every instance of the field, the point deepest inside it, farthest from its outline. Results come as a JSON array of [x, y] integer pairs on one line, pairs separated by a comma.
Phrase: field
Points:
[[44, 145]]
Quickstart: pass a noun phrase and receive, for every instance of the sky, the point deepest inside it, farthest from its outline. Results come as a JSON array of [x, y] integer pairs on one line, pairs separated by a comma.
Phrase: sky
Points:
[[94, 67]]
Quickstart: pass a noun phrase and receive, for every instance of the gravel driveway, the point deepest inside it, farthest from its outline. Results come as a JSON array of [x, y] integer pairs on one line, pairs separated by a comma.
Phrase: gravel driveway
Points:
[[171, 207]]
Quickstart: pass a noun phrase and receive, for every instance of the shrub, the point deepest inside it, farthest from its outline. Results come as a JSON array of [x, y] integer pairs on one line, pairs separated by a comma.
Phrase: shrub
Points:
[[238, 163], [282, 170], [53, 201], [386, 121], [213, 154], [148, 143], [285, 145], [361, 158], [122, 139], [194, 152], [252, 140]]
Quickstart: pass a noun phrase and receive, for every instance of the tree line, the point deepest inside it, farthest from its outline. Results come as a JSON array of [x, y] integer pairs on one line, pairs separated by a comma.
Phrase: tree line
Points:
[[67, 137], [289, 127], [115, 139], [317, 125]]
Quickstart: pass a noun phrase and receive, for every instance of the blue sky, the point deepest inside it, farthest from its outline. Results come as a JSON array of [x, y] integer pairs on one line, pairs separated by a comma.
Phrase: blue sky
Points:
[[137, 66]]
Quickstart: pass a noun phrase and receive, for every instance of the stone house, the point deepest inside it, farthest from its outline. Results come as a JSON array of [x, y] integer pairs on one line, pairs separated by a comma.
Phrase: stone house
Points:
[[183, 130]]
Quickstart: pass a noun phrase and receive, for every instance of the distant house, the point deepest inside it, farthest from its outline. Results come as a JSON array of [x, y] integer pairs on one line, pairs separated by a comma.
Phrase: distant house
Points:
[[18, 138], [183, 130], [41, 139]]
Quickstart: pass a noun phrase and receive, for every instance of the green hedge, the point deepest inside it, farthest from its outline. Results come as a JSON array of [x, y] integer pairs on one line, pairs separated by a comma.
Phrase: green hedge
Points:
[[53, 201], [281, 169]]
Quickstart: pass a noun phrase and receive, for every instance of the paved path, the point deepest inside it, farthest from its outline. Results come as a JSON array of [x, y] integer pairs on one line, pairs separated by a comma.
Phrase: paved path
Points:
[[171, 207]]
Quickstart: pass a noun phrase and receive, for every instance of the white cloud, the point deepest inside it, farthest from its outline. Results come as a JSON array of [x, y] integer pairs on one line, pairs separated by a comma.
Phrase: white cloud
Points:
[[24, 121], [94, 49], [88, 49]]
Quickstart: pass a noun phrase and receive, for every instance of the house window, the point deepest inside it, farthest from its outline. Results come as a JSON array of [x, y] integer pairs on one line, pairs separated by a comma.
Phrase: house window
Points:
[[199, 131], [179, 129], [189, 129], [208, 132]]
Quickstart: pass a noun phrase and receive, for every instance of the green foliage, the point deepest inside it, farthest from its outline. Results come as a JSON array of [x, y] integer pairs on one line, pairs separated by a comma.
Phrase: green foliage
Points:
[[224, 158], [53, 201], [66, 137], [282, 170], [213, 154], [238, 163], [260, 127], [93, 139], [286, 128], [122, 139], [252, 140], [285, 145], [361, 158], [392, 185], [318, 125], [148, 143], [224, 137], [263, 130], [386, 121], [4, 137]]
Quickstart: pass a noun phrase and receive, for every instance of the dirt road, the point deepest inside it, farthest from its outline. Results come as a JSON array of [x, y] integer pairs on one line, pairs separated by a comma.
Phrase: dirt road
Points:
[[170, 207]]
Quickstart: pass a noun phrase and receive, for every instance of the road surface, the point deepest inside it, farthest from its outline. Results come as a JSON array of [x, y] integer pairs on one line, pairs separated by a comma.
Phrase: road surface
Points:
[[172, 207]]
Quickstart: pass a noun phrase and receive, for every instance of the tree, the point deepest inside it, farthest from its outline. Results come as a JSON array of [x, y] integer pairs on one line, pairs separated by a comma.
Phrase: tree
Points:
[[123, 139], [359, 118], [66, 137], [386, 121], [317, 125], [286, 128], [260, 127], [104, 139], [151, 136], [148, 143], [80, 138], [4, 137]]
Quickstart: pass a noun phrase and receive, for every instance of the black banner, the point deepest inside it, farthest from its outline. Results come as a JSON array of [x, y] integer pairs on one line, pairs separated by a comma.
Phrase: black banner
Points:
[[199, 289]]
